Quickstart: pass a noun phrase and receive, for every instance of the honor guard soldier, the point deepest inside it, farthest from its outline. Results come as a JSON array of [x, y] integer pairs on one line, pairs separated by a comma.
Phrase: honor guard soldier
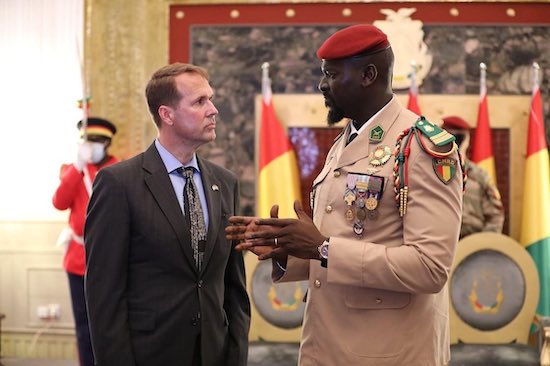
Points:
[[73, 194]]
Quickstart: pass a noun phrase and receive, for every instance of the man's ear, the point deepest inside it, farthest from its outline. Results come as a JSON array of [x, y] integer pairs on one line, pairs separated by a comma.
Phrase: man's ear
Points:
[[166, 114], [368, 74]]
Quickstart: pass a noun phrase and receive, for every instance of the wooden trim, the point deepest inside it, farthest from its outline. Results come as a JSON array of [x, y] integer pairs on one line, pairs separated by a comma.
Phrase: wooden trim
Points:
[[182, 18]]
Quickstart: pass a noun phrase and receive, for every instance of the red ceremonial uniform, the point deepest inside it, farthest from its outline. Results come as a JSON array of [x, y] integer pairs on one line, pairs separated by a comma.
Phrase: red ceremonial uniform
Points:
[[72, 194]]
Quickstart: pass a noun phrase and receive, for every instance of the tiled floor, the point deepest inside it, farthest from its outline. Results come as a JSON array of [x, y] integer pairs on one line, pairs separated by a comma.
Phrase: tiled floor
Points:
[[260, 354], [36, 362], [273, 354]]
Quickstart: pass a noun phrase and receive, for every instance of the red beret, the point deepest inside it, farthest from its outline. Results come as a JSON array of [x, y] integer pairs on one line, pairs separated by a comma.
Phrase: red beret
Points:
[[353, 40], [456, 123]]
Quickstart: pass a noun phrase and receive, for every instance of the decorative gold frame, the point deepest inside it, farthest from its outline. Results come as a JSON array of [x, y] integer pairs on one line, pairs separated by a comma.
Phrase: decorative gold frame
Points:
[[518, 329]]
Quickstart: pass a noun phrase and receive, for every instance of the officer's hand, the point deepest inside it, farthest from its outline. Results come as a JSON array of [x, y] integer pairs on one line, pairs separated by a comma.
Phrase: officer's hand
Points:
[[243, 227], [297, 237]]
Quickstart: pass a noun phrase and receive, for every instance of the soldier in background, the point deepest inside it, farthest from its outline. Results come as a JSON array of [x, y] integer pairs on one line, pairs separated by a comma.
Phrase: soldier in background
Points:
[[482, 207], [73, 193]]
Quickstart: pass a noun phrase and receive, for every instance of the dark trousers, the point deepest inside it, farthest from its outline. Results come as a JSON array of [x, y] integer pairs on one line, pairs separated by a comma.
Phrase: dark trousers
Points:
[[76, 285]]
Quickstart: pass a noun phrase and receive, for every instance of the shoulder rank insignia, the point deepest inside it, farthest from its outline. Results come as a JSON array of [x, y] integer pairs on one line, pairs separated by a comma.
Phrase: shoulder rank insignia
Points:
[[436, 134]]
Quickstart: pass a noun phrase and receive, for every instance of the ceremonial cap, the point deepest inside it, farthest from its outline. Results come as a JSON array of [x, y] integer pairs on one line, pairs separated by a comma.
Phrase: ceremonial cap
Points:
[[455, 123], [355, 40], [96, 126]]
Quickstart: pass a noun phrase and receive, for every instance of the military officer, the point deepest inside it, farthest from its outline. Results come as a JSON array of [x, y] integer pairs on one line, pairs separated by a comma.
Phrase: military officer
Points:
[[386, 219]]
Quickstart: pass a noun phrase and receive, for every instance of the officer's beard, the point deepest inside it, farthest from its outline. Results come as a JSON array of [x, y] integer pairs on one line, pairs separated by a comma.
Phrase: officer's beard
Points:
[[335, 115]]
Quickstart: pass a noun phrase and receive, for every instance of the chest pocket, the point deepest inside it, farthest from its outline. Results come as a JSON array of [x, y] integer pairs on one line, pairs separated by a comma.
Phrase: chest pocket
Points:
[[361, 298], [318, 180]]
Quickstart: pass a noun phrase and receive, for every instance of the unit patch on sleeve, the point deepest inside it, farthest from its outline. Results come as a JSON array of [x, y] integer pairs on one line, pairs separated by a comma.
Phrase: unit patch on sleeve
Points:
[[445, 169]]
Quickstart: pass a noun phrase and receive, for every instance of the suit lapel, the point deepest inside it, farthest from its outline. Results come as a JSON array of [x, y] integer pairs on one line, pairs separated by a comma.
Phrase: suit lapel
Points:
[[212, 192], [162, 191]]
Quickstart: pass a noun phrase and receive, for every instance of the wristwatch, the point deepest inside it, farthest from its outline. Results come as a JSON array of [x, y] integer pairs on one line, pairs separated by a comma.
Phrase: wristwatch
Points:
[[323, 252]]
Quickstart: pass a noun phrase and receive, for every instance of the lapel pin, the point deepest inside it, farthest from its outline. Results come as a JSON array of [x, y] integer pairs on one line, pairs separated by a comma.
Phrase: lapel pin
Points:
[[215, 187]]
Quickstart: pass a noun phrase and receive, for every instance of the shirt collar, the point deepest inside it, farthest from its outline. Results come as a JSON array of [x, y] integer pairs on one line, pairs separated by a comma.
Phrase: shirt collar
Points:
[[171, 162], [369, 121]]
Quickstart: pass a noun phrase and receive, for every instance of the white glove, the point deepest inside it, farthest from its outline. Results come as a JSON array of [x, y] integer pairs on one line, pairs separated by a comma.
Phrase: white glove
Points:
[[83, 156]]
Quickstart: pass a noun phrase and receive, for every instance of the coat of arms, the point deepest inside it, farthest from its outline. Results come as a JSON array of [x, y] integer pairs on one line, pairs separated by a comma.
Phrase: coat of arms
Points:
[[407, 40]]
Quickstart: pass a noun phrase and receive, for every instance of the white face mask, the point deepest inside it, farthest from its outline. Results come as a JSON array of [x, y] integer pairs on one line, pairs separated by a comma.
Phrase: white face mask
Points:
[[98, 152]]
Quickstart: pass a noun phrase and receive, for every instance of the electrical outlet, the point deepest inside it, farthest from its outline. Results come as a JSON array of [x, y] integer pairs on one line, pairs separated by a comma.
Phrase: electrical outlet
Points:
[[43, 312], [49, 312], [54, 311]]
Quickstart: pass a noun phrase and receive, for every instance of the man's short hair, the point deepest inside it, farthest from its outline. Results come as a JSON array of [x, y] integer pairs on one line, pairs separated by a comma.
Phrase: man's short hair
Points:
[[161, 88]]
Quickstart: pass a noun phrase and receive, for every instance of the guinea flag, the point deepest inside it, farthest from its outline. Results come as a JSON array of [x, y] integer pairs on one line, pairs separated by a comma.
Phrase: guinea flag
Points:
[[482, 146], [412, 104], [535, 219], [279, 180]]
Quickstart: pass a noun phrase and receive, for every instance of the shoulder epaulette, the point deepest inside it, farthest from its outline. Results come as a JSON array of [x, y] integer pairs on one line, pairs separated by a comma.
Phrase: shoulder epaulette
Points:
[[436, 134]]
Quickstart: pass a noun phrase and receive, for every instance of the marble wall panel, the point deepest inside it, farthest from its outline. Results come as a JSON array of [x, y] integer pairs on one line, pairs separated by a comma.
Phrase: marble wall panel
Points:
[[233, 56]]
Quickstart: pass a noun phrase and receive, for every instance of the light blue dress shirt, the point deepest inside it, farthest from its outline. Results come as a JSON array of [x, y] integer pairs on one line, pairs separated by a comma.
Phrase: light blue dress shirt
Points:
[[178, 180]]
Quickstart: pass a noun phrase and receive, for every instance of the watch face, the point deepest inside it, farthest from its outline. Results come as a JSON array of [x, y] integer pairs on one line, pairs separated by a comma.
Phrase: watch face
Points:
[[324, 250]]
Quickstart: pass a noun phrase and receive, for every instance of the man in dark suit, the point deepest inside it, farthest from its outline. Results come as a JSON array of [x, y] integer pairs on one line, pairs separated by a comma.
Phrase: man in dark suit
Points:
[[163, 285]]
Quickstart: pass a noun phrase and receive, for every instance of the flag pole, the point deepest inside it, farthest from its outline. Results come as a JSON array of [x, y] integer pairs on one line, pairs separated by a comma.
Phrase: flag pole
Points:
[[482, 79], [536, 75], [83, 79], [266, 83]]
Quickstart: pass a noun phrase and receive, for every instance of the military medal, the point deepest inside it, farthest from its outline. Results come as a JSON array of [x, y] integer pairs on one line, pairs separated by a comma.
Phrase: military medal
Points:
[[358, 228], [361, 214], [380, 156], [372, 215], [362, 196], [371, 203], [355, 196], [375, 188], [350, 196]]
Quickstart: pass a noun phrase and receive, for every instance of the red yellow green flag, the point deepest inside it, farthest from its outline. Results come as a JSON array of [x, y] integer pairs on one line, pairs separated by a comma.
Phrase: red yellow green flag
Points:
[[412, 104], [279, 179], [535, 219], [482, 146]]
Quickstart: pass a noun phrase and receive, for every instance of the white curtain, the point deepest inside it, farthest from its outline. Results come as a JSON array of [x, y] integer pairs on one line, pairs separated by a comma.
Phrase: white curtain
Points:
[[40, 84]]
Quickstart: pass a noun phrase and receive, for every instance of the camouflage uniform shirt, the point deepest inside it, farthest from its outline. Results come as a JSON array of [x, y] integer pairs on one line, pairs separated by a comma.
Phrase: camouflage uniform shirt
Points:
[[482, 208]]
